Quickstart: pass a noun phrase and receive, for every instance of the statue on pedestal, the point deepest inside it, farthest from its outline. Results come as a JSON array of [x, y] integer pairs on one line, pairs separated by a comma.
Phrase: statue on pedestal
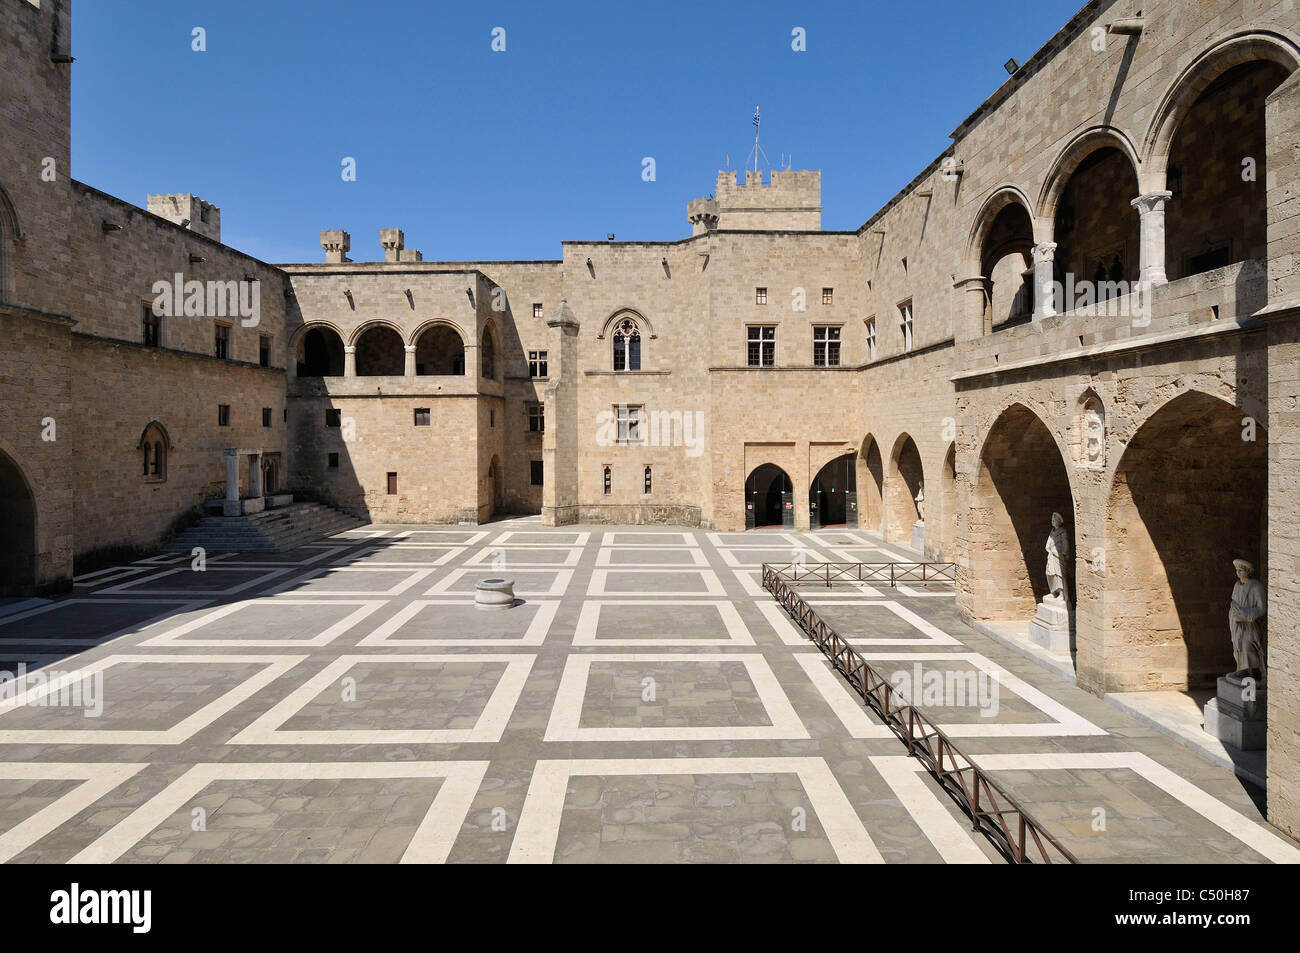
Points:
[[920, 504], [1244, 612], [1058, 550]]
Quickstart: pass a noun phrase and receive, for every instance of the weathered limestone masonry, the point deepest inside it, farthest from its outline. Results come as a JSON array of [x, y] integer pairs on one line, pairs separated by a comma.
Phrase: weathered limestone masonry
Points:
[[1088, 305]]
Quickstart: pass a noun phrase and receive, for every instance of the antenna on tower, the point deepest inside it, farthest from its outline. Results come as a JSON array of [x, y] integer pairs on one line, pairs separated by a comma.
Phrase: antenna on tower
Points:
[[757, 150]]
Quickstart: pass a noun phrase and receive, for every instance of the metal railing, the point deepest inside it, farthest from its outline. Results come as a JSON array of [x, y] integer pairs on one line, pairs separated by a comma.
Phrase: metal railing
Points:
[[893, 573], [1013, 830]]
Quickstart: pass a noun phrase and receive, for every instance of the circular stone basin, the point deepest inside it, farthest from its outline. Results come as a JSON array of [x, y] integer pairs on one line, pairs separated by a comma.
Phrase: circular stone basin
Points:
[[494, 593]]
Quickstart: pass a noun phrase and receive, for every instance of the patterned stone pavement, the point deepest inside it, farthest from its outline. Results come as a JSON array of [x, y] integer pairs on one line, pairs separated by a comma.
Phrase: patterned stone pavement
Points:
[[647, 702]]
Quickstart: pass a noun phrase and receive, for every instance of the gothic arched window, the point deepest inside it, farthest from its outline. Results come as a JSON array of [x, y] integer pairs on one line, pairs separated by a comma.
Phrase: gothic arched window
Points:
[[627, 346], [153, 446]]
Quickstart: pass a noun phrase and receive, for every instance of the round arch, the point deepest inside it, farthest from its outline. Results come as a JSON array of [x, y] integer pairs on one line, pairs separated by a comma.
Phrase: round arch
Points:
[[490, 351], [1188, 496], [380, 350], [946, 538], [18, 529], [903, 483], [632, 313], [832, 495], [439, 348], [1068, 161], [318, 350], [1021, 480], [769, 497], [982, 224], [366, 326], [1221, 56]]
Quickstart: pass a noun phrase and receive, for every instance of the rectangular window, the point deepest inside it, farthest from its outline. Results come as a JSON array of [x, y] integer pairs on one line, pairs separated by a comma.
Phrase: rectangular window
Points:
[[535, 471], [332, 461], [266, 416], [422, 417], [537, 365], [905, 313], [392, 484], [537, 309], [152, 328], [826, 347], [646, 484], [333, 417], [609, 480], [537, 418], [264, 350], [221, 346], [628, 419], [223, 415], [762, 346], [871, 339], [492, 418], [760, 296], [828, 296]]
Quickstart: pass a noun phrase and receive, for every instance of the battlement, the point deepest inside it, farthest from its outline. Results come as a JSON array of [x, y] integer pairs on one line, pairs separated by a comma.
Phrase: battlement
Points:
[[188, 211], [790, 200]]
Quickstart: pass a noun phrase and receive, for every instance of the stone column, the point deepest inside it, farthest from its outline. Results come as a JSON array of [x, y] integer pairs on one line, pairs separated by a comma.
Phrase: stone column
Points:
[[409, 369], [231, 505], [972, 320], [349, 361], [1151, 209], [255, 475], [1044, 276]]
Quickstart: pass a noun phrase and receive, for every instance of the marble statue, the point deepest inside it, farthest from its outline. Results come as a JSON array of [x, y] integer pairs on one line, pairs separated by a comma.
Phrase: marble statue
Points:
[[1058, 549], [1244, 612], [920, 504]]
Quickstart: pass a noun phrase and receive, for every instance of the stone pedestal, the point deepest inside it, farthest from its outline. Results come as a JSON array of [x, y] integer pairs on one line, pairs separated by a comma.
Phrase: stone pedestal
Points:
[[494, 594], [918, 537], [1235, 720], [1050, 626]]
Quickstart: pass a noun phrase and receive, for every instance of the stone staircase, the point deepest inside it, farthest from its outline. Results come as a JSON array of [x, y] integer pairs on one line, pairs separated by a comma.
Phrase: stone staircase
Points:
[[271, 531]]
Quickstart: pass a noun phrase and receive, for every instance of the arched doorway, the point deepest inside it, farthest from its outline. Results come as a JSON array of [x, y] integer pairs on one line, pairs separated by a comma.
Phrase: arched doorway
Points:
[[17, 531], [906, 478], [1022, 481], [1188, 498], [769, 498], [833, 496]]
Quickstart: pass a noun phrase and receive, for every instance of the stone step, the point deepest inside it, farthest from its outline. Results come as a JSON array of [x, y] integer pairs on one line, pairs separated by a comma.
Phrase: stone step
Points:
[[278, 530]]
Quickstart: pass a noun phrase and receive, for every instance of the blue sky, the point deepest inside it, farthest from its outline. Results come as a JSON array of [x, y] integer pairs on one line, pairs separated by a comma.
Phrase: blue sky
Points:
[[502, 155]]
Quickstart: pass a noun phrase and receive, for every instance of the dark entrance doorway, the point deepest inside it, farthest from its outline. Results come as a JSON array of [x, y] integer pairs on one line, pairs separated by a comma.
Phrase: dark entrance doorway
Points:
[[833, 496], [769, 498], [17, 532]]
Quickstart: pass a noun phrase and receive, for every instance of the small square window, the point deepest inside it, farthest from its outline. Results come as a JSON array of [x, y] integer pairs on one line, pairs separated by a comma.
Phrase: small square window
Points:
[[828, 296], [760, 296], [537, 309], [392, 484], [537, 418], [333, 417], [221, 344], [223, 415], [264, 350], [537, 365], [422, 417], [266, 416], [332, 461], [535, 471]]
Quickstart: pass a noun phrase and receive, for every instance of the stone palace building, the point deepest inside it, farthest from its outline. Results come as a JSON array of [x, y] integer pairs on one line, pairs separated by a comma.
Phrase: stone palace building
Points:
[[1086, 305]]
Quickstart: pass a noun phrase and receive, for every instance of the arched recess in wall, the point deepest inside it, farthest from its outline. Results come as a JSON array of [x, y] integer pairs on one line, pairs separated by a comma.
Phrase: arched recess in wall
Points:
[[1211, 146], [381, 352], [903, 484], [769, 497], [17, 530], [871, 486], [1001, 252], [439, 350], [488, 353], [1088, 199], [832, 496], [496, 482], [10, 232], [1188, 497], [154, 446], [319, 352], [942, 545], [1022, 480]]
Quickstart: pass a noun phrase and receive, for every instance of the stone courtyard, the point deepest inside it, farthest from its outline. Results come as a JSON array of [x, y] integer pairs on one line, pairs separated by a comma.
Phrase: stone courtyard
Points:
[[646, 701]]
